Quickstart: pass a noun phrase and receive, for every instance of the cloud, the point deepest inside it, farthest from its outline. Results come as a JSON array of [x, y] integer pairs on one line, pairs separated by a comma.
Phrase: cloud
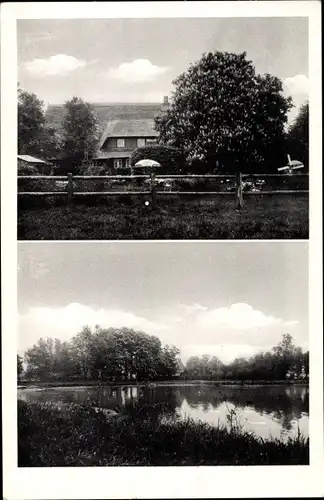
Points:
[[193, 308], [297, 85], [238, 316], [226, 332], [65, 322], [60, 64], [138, 71], [291, 323]]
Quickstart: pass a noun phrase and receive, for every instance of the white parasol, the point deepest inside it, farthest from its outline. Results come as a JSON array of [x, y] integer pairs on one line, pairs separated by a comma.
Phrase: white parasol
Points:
[[147, 163]]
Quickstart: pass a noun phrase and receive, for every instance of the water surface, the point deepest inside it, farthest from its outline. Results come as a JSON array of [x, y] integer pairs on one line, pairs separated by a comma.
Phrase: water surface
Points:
[[276, 411]]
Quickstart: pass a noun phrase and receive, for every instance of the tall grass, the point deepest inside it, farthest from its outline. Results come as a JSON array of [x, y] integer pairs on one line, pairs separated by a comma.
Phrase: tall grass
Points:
[[262, 217], [76, 435]]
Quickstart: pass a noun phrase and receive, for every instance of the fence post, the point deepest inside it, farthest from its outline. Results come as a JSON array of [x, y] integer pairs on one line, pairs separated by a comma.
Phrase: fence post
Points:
[[70, 190], [239, 191], [153, 189]]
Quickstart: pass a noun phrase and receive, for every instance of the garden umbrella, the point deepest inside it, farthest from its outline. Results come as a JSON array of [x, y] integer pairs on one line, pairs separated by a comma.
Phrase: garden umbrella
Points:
[[147, 163]]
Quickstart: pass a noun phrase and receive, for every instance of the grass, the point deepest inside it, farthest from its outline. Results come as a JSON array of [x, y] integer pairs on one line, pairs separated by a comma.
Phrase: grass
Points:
[[268, 217], [75, 435]]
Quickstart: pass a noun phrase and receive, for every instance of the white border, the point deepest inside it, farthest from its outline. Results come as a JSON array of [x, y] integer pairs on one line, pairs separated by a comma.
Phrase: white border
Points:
[[156, 482]]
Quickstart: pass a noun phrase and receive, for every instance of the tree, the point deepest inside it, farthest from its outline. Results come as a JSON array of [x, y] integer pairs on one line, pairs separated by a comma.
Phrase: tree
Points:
[[193, 368], [305, 359], [130, 354], [170, 363], [82, 352], [224, 115], [20, 367], [215, 368], [298, 136], [31, 122], [64, 366], [287, 357], [40, 359], [35, 136], [80, 131]]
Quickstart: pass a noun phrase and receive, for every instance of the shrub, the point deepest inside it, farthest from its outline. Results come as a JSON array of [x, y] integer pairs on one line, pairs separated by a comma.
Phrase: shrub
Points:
[[25, 169], [170, 158], [92, 185]]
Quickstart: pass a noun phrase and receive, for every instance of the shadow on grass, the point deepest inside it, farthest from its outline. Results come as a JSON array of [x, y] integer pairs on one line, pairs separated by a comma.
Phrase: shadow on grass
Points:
[[74, 435]]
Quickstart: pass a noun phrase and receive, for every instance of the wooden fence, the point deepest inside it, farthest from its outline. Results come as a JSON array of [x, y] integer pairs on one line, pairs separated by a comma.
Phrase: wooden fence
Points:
[[153, 191]]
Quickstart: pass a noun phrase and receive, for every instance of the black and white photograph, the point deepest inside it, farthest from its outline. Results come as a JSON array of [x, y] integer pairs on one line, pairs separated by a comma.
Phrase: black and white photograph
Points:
[[161, 224], [116, 366], [163, 128]]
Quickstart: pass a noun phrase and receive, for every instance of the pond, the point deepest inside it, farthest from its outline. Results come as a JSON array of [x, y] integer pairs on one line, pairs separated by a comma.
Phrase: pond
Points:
[[269, 411]]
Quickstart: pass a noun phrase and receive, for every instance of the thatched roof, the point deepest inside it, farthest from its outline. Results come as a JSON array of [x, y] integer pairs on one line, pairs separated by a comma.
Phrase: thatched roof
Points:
[[107, 112], [128, 128]]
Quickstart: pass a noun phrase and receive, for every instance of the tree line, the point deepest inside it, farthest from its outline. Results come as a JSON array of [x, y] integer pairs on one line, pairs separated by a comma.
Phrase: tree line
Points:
[[124, 354], [284, 361], [222, 117]]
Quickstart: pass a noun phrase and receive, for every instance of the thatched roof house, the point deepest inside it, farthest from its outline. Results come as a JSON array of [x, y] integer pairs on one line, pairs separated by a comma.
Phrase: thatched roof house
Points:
[[125, 126], [121, 137]]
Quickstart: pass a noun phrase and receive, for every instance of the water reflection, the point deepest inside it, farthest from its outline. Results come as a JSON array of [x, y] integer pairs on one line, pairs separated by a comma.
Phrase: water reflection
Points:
[[275, 410]]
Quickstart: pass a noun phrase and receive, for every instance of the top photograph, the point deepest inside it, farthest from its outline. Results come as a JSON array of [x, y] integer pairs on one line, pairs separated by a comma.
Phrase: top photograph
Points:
[[163, 129]]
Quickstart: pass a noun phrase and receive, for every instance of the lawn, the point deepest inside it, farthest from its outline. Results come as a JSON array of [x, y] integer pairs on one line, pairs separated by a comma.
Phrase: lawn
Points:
[[74, 435], [262, 217]]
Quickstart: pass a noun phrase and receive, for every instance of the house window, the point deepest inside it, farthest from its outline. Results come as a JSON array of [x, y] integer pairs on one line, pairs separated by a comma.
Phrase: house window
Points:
[[118, 163], [150, 141], [120, 143], [140, 143], [127, 163]]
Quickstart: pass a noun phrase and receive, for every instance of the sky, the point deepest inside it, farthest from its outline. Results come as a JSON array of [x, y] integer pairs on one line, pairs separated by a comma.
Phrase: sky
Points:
[[136, 60], [226, 299]]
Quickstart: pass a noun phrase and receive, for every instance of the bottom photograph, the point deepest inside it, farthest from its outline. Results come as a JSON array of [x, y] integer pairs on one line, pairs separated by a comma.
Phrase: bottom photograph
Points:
[[163, 354]]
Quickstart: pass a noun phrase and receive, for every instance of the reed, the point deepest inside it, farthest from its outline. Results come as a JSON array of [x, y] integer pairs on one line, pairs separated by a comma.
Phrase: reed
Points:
[[76, 435]]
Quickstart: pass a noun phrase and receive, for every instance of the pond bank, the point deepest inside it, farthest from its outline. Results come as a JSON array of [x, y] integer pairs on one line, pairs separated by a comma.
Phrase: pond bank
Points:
[[94, 383], [79, 436]]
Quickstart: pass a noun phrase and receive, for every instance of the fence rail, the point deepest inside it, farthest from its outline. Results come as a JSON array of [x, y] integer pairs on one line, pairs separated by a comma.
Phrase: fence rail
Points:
[[130, 177], [239, 193]]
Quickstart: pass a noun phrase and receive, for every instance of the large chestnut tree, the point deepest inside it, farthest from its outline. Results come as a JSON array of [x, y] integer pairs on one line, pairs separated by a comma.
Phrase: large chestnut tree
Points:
[[225, 115]]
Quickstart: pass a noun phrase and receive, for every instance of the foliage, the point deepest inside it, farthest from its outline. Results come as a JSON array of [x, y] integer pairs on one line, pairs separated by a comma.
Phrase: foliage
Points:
[[20, 368], [170, 158], [298, 136], [169, 362], [35, 136], [74, 435], [26, 169], [225, 115], [105, 354], [284, 361], [49, 359], [204, 368], [80, 131], [117, 354]]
